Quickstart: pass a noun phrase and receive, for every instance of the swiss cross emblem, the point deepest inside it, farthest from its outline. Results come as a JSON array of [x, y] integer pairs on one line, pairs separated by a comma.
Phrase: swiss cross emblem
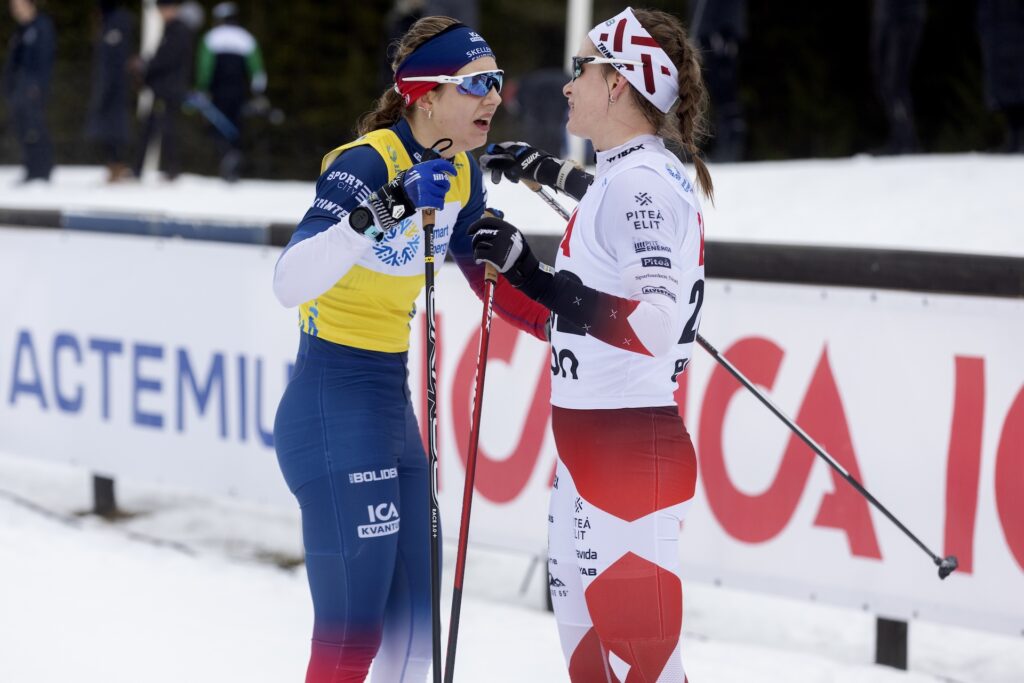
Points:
[[645, 57]]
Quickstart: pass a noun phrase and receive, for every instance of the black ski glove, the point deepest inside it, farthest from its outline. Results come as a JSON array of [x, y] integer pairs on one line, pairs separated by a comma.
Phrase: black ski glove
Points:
[[502, 245], [518, 161]]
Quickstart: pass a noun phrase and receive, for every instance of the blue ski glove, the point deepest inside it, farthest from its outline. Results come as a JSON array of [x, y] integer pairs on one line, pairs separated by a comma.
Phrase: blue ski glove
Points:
[[427, 183], [422, 186]]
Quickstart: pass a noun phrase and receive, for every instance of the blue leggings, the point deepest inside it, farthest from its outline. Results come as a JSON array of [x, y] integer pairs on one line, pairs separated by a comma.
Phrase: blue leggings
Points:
[[349, 447]]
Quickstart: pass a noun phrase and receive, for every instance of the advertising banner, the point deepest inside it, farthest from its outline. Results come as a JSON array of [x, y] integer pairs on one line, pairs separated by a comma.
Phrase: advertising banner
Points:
[[162, 360]]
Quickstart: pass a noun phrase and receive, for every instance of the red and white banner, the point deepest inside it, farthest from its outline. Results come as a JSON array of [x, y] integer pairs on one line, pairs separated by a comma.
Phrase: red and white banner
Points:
[[162, 360]]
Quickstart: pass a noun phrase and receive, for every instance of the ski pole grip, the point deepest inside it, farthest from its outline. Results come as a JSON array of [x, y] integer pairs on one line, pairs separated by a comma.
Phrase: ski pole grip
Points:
[[490, 272]]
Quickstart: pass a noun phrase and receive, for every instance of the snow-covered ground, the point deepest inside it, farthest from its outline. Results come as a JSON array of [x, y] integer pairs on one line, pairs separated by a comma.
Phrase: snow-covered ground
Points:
[[967, 203], [192, 589]]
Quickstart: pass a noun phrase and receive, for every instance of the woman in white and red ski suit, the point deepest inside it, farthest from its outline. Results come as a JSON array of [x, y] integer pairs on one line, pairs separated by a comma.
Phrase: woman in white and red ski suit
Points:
[[626, 293]]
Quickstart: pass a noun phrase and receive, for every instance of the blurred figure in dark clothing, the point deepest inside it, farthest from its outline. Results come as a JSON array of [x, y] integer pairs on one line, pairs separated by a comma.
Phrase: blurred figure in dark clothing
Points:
[[108, 121], [167, 74], [403, 14], [466, 11], [1001, 27], [720, 26], [26, 84], [541, 108], [229, 67], [896, 27]]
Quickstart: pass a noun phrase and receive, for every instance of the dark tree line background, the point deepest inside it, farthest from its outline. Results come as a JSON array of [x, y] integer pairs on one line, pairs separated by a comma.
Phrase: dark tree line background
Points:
[[805, 77]]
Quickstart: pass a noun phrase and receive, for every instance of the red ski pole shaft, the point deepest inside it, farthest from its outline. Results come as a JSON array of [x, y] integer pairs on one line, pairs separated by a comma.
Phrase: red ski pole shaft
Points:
[[490, 279]]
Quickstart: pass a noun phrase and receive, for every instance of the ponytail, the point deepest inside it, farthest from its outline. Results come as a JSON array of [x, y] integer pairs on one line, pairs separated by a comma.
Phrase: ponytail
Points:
[[386, 113], [687, 125]]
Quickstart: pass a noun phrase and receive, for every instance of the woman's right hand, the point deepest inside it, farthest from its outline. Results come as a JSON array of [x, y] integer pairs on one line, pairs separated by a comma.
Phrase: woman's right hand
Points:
[[427, 183], [422, 186], [515, 161]]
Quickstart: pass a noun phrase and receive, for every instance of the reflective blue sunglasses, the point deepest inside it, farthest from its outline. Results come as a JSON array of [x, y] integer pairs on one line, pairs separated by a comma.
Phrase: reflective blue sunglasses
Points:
[[477, 84]]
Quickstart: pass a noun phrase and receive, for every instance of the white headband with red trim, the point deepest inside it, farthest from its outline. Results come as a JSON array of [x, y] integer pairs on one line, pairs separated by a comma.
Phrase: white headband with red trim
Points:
[[623, 36]]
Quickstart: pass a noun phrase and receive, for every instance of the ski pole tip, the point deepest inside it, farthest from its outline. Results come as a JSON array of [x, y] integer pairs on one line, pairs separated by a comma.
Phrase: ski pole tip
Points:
[[947, 566]]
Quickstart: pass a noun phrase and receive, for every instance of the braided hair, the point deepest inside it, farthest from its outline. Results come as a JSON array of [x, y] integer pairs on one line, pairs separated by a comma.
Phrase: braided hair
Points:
[[687, 125]]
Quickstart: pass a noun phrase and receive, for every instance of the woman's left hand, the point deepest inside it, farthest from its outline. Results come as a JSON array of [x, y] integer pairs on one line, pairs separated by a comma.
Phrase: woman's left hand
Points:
[[499, 243]]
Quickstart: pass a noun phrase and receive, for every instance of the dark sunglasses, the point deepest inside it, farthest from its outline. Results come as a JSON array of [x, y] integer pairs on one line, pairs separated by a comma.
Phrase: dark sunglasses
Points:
[[477, 84], [578, 62]]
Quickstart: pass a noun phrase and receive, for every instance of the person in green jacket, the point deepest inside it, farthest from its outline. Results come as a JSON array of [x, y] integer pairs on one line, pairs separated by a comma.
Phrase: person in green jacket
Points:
[[230, 70]]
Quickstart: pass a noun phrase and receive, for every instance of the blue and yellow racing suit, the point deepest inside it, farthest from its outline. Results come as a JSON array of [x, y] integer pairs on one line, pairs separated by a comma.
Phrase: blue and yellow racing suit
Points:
[[346, 436]]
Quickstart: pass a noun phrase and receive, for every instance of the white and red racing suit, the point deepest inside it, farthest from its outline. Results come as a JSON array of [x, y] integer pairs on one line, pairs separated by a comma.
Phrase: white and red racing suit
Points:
[[627, 296]]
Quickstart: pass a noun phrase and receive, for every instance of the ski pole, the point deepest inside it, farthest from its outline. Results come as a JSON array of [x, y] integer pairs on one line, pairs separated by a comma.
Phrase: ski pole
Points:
[[430, 324], [490, 279]]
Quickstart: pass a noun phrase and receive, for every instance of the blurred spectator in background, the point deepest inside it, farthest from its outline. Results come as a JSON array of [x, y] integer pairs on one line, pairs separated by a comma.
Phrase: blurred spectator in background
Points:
[[193, 15], [896, 27], [1001, 26], [403, 14], [466, 11], [108, 121], [720, 26], [167, 75], [542, 110], [229, 67], [26, 83]]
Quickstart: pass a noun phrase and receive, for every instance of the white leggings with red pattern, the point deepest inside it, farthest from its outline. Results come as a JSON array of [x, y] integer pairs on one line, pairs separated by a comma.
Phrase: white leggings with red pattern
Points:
[[623, 482]]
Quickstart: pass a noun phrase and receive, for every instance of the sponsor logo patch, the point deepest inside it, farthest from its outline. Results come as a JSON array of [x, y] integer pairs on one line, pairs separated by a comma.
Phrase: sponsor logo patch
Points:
[[645, 219], [401, 244], [478, 52], [373, 475], [581, 527], [656, 262], [384, 521], [657, 276], [658, 290], [329, 206], [347, 181], [644, 246], [674, 172], [625, 153]]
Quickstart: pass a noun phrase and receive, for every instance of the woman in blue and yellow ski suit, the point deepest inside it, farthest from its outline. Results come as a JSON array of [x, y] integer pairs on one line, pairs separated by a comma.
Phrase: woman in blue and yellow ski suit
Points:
[[346, 437]]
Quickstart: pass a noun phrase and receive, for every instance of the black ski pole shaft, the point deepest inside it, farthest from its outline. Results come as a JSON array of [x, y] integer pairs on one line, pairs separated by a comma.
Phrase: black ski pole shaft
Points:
[[548, 199], [946, 565], [435, 514], [430, 324], [490, 278]]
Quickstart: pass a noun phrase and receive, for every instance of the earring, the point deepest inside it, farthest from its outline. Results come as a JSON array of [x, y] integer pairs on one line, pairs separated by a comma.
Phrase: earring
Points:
[[430, 112]]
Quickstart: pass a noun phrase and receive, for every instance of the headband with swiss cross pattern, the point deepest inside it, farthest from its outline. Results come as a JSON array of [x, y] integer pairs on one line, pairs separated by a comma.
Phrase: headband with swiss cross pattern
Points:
[[623, 36]]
